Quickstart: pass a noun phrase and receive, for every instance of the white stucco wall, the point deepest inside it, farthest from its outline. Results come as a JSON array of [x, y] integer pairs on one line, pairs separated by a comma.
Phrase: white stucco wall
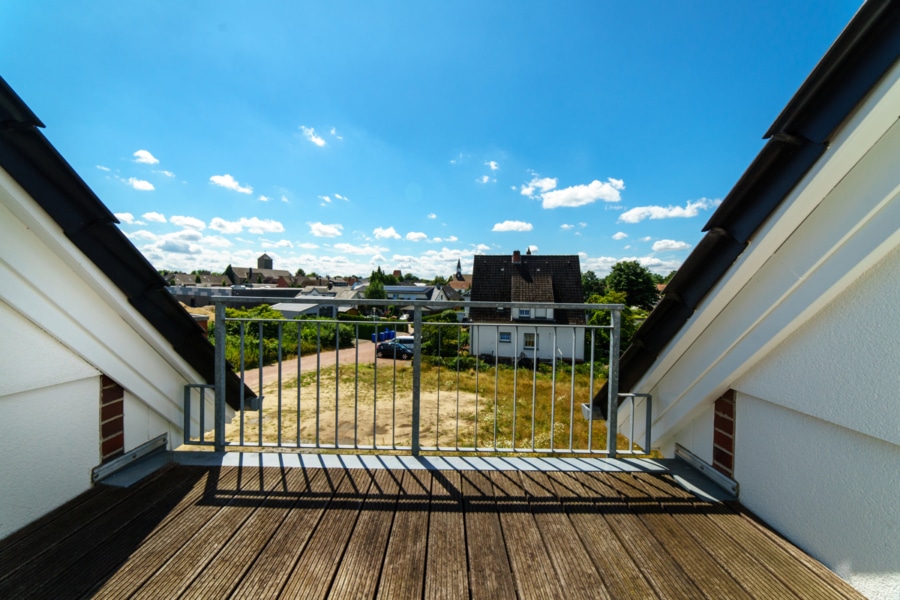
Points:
[[832, 491], [484, 341], [50, 402], [697, 435], [843, 365]]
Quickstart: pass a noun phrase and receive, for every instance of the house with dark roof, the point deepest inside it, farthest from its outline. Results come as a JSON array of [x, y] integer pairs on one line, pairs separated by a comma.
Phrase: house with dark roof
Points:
[[94, 366], [536, 329], [263, 273], [459, 281], [773, 357]]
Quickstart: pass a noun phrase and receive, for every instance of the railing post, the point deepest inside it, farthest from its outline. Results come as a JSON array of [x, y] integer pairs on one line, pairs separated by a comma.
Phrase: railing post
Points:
[[612, 420], [417, 379], [220, 378]]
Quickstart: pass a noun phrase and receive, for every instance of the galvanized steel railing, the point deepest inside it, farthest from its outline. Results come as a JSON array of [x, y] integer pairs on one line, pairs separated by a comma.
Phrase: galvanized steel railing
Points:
[[519, 401]]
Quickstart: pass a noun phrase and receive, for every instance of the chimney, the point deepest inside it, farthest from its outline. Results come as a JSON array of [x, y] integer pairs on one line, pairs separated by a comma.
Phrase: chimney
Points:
[[517, 257]]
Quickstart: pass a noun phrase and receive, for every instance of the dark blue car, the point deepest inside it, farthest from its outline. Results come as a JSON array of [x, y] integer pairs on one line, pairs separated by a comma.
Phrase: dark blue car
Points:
[[393, 349]]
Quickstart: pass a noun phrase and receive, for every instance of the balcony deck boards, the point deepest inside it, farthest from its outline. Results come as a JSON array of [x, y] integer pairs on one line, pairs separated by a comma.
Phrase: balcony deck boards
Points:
[[309, 532]]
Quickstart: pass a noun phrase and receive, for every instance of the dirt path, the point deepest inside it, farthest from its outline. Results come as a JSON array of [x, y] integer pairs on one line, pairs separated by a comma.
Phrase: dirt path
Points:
[[308, 364]]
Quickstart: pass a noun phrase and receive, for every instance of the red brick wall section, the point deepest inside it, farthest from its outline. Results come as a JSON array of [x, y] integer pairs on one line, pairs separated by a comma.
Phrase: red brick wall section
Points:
[[112, 419], [723, 436]]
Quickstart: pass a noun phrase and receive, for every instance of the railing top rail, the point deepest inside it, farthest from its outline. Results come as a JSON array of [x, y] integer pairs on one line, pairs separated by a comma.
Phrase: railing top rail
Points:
[[414, 303]]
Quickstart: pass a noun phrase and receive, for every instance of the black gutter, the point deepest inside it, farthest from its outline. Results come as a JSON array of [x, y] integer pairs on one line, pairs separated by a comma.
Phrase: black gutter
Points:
[[42, 172], [866, 49]]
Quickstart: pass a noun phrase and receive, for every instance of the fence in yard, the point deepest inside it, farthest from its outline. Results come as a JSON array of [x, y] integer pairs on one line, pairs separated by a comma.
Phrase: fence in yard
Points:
[[513, 386]]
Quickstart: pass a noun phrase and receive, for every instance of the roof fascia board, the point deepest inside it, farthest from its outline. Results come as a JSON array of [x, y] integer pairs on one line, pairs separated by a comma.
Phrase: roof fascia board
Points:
[[51, 306]]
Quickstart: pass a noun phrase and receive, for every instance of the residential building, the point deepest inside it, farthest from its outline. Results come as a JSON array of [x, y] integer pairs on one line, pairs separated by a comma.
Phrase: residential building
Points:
[[539, 331]]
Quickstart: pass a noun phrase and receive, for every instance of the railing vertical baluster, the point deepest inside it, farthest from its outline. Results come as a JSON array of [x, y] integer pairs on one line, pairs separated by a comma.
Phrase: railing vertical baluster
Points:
[[375, 393], [648, 409], [356, 392], [552, 390], [187, 416], [591, 395], [417, 379], [201, 433], [279, 383], [259, 414], [220, 378], [318, 377], [613, 383], [437, 417], [242, 384], [337, 381], [299, 374], [572, 395], [515, 353], [458, 341], [496, 380]]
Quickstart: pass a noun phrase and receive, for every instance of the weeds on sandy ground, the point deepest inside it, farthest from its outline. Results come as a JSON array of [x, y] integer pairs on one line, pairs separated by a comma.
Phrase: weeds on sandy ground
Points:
[[493, 409]]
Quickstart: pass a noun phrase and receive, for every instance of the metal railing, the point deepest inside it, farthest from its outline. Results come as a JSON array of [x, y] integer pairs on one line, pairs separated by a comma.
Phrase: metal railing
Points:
[[484, 387]]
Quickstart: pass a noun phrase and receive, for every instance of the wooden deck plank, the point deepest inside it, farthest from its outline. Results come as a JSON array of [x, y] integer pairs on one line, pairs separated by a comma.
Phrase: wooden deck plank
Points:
[[360, 569], [404, 562], [664, 575], [268, 574], [753, 576], [694, 560], [490, 574], [222, 576], [45, 571], [534, 574], [179, 526], [621, 575], [568, 555], [313, 574], [446, 567], [237, 504]]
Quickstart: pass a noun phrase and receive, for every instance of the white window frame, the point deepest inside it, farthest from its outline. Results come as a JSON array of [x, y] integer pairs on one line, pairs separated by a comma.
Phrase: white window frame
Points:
[[524, 313], [505, 337]]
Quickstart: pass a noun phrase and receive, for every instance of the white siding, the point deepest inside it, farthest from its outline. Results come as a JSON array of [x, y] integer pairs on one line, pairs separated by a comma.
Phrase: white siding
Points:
[[830, 490], [484, 341], [50, 402]]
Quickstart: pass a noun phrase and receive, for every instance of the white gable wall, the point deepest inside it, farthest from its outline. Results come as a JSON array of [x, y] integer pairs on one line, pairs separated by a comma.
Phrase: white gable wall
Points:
[[45, 281], [805, 328], [49, 399]]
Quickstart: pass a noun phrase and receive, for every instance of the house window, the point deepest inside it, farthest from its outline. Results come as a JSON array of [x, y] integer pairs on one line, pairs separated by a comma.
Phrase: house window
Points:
[[530, 341], [505, 337], [524, 313]]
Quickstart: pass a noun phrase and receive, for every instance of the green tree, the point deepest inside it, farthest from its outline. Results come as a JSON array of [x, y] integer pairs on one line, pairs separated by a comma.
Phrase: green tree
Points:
[[592, 285], [197, 279], [635, 281], [375, 290], [300, 273], [628, 325]]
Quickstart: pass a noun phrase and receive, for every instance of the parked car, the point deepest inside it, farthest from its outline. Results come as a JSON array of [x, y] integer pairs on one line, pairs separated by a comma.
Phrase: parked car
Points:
[[393, 349]]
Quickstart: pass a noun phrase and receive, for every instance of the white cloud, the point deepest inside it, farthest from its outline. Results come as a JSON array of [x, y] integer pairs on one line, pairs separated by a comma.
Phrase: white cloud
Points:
[[102, 168], [140, 184], [566, 226], [365, 250], [128, 218], [142, 234], [432, 216], [381, 233], [690, 209], [513, 226], [582, 225], [144, 157], [310, 134], [669, 245], [307, 245], [620, 236], [344, 198], [646, 238], [230, 183], [492, 165], [335, 133], [278, 244], [253, 225], [325, 200], [155, 217], [580, 195], [544, 184], [214, 241], [166, 173], [485, 179], [416, 236], [285, 199], [263, 198], [323, 230], [188, 222]]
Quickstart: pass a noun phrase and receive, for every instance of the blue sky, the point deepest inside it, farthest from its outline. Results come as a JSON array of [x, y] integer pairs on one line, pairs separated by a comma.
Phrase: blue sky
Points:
[[342, 136]]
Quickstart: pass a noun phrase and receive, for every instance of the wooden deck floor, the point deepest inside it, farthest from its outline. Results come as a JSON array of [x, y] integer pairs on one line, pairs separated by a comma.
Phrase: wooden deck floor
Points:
[[230, 532]]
